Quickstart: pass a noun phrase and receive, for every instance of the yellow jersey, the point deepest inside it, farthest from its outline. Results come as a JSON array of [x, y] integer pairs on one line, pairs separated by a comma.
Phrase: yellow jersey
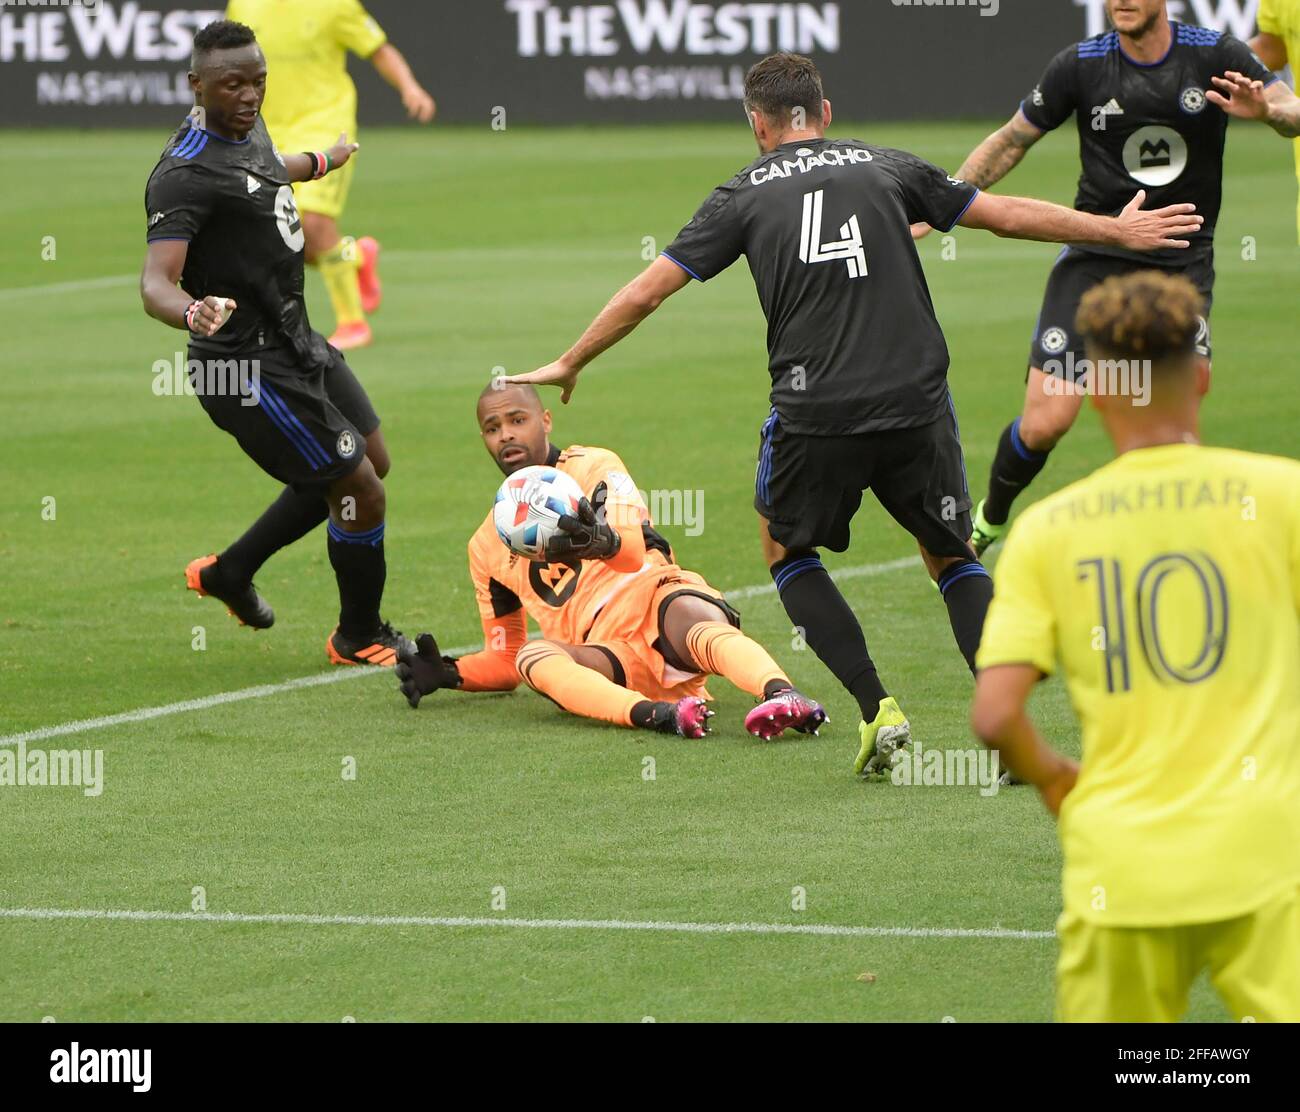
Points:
[[1166, 586], [310, 98]]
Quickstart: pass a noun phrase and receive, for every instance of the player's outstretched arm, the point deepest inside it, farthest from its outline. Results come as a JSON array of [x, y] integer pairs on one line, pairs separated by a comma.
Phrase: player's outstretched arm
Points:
[[311, 165], [999, 720], [393, 68], [626, 309], [1134, 228], [994, 158], [1246, 99], [164, 299]]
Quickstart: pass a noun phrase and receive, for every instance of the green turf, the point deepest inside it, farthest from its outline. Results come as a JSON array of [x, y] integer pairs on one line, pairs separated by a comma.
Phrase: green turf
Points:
[[500, 246]]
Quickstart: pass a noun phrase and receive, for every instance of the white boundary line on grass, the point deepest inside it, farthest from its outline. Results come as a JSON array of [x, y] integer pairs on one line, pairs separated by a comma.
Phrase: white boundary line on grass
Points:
[[338, 675], [54, 913]]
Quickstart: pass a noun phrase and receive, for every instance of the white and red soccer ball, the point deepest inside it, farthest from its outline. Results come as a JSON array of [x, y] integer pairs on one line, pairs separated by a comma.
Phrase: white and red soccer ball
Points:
[[528, 508]]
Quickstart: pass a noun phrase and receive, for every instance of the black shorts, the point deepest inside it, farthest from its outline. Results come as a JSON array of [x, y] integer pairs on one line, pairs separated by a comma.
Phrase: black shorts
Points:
[[305, 428], [809, 487], [1057, 346]]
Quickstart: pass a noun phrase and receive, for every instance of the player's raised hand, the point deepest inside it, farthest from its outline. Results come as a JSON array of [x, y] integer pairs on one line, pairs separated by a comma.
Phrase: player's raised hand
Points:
[[1157, 228], [205, 317], [1239, 96], [559, 373], [422, 670], [342, 151]]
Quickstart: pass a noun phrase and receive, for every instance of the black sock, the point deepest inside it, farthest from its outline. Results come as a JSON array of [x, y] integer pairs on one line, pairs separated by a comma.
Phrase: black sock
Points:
[[830, 627], [1014, 468], [359, 567], [967, 592], [289, 518]]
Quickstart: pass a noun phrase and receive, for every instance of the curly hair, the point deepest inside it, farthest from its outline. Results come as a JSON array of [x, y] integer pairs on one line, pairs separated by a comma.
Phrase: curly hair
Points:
[[1146, 315]]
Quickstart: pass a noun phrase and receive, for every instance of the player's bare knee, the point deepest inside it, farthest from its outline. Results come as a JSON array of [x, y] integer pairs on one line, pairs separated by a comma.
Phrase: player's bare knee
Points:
[[359, 498], [684, 613]]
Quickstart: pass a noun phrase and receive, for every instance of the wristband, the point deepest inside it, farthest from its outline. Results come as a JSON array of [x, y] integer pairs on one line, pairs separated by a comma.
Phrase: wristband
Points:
[[321, 163], [190, 311]]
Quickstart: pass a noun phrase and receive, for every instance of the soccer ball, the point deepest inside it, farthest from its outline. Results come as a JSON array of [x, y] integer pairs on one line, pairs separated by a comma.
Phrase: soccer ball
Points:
[[529, 506]]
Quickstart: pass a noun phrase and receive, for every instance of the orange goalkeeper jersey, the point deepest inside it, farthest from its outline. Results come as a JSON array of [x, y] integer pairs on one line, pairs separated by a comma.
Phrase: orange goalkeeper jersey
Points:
[[563, 599]]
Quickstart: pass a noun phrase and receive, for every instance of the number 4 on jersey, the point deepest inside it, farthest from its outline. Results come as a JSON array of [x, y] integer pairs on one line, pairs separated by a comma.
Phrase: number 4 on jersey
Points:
[[849, 248]]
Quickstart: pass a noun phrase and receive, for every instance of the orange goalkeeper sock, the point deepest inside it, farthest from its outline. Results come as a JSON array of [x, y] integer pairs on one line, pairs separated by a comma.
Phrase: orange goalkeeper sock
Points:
[[722, 650], [552, 672]]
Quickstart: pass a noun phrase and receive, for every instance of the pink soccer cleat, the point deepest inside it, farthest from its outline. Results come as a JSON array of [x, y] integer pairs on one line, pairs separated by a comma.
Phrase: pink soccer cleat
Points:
[[786, 710], [691, 717]]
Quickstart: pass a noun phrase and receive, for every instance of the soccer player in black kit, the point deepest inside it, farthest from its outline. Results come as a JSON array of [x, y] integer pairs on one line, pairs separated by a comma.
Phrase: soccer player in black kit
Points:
[[225, 263], [1151, 99], [858, 362]]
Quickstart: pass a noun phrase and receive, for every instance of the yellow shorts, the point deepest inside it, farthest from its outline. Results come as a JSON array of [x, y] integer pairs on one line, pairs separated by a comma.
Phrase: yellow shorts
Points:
[[1143, 974], [630, 627]]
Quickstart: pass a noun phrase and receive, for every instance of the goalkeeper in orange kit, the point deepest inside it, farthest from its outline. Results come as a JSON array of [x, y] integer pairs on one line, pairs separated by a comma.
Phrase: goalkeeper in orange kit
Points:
[[628, 636]]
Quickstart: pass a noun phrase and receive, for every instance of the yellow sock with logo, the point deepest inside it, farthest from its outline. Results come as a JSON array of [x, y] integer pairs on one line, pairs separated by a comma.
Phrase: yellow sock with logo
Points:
[[338, 266]]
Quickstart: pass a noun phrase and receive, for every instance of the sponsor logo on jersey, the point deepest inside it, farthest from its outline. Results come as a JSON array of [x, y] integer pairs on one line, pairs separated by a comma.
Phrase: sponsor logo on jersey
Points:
[[1036, 97], [806, 159], [1054, 340], [1110, 108], [1155, 155], [347, 445], [156, 218], [554, 584], [253, 184], [1192, 100]]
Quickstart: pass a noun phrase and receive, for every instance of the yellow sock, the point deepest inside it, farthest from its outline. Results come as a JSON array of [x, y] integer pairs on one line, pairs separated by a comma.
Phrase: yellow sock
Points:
[[722, 650], [338, 266], [549, 670]]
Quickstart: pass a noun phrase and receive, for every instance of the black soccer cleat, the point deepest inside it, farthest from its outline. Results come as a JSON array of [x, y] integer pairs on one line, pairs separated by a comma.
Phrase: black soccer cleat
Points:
[[242, 600], [380, 648]]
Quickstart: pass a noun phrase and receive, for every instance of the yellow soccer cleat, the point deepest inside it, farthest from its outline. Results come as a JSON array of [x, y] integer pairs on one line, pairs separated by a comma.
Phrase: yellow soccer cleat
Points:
[[882, 739]]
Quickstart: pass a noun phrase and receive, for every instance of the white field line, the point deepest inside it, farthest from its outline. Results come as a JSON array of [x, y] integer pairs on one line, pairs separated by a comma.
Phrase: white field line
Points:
[[339, 675], [54, 913], [110, 282]]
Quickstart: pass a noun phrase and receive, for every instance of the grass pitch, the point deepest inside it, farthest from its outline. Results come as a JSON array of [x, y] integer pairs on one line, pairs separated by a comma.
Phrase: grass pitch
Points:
[[499, 247]]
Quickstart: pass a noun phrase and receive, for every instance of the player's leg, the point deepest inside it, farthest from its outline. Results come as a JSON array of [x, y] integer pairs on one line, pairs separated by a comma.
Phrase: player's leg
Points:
[[1123, 974], [704, 633], [1255, 961], [791, 528], [921, 480], [294, 514], [1051, 402], [589, 681]]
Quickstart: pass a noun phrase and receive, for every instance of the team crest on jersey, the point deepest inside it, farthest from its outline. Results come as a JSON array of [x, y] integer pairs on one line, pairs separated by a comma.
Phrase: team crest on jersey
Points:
[[1193, 100], [1155, 155], [1054, 341], [347, 445]]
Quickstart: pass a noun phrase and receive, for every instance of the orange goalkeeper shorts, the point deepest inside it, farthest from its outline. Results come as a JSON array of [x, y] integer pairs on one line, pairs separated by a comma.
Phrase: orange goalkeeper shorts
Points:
[[630, 629]]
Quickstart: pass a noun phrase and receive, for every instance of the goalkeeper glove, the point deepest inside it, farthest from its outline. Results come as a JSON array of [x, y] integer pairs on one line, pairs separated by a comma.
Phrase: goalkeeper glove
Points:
[[584, 537], [421, 671]]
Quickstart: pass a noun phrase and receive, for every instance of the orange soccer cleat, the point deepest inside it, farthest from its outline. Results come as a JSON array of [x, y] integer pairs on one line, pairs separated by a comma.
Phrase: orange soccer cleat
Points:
[[372, 290], [242, 601], [380, 649], [355, 334]]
